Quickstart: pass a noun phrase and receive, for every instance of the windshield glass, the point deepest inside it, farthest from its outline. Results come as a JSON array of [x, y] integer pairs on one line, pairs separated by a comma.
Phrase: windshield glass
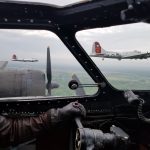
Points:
[[37, 63], [122, 53]]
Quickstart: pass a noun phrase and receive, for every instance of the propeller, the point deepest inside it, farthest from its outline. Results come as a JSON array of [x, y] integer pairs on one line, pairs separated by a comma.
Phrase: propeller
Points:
[[48, 71], [50, 85], [79, 91]]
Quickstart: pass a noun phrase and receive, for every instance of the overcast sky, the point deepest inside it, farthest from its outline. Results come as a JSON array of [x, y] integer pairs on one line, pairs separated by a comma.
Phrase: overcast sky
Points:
[[120, 39]]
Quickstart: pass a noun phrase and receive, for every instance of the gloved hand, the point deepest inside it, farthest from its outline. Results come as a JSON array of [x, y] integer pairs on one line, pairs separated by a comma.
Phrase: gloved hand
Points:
[[72, 110], [67, 112]]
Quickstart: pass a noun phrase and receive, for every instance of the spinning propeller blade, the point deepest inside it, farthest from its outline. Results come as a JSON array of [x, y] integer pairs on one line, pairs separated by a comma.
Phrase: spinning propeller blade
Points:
[[48, 71], [50, 85], [79, 91]]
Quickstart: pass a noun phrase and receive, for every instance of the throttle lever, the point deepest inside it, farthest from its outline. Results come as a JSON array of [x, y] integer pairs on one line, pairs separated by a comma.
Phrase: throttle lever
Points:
[[78, 123], [90, 139]]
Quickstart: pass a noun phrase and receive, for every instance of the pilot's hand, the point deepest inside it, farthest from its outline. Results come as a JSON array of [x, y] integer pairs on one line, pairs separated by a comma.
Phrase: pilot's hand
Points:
[[67, 112], [73, 109]]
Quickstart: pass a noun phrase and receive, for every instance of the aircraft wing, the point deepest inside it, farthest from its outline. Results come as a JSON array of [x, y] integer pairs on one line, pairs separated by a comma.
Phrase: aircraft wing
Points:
[[25, 60], [139, 56], [3, 64]]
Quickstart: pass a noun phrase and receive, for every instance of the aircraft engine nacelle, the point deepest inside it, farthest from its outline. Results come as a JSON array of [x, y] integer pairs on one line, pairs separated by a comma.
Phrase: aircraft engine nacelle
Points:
[[15, 83]]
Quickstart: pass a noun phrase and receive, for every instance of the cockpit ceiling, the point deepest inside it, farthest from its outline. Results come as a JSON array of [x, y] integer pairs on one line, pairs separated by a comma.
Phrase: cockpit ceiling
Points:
[[57, 3], [82, 14]]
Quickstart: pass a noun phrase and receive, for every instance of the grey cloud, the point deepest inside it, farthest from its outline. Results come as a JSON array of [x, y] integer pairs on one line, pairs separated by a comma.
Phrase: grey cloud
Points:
[[128, 37]]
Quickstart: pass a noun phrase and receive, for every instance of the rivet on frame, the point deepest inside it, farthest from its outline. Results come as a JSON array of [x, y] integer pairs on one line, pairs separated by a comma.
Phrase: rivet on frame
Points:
[[25, 10], [31, 20], [66, 38], [75, 26], [49, 102], [39, 103], [85, 62], [5, 19], [97, 76], [138, 2], [85, 18], [7, 105], [49, 21], [94, 99], [73, 46], [28, 103], [18, 20], [104, 92], [17, 104], [68, 101], [94, 19], [79, 54], [91, 69]]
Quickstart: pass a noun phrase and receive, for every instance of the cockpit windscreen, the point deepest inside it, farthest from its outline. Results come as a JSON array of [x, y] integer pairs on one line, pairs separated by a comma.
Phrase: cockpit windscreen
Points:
[[37, 63], [122, 53]]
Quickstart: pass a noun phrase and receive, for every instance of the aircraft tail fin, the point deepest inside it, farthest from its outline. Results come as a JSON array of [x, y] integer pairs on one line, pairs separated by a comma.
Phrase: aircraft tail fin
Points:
[[14, 57], [97, 49]]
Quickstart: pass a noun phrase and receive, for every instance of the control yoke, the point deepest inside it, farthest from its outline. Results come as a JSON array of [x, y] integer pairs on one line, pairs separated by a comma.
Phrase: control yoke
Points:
[[90, 139]]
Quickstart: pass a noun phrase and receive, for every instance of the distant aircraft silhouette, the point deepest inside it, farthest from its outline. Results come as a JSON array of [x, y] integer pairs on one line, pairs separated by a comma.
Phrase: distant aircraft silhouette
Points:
[[98, 51], [14, 58], [26, 82]]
